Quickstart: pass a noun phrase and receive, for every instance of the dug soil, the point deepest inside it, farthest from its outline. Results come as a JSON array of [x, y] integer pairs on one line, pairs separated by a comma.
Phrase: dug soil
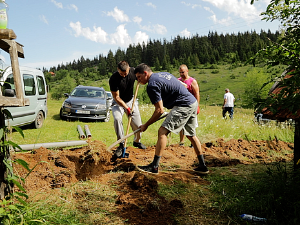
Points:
[[60, 168]]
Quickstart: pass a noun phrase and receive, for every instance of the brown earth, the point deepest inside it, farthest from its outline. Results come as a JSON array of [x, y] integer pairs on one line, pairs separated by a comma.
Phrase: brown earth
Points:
[[61, 168]]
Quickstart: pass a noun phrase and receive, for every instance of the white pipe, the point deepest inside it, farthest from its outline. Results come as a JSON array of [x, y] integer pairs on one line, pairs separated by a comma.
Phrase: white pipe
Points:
[[87, 131], [81, 134], [52, 145]]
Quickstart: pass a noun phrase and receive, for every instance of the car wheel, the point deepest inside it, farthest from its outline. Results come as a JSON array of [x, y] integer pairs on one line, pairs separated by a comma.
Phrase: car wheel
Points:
[[39, 120], [61, 115], [107, 116]]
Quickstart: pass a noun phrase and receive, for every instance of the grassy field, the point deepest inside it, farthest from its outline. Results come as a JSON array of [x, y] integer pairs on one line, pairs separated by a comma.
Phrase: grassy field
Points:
[[211, 127], [232, 190]]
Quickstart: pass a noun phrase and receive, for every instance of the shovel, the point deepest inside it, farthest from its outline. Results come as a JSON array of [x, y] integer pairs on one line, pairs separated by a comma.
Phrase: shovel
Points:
[[129, 118], [129, 135]]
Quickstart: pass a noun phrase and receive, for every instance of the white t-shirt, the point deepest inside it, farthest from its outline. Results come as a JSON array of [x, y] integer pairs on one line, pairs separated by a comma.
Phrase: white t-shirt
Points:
[[230, 100]]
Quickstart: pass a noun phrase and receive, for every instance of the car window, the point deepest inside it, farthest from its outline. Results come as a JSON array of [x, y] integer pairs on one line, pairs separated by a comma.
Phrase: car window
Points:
[[29, 84], [90, 93], [41, 85]]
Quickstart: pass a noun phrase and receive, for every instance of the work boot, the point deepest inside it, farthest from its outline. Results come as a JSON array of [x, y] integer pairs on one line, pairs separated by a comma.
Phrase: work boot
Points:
[[201, 170], [139, 145], [148, 169]]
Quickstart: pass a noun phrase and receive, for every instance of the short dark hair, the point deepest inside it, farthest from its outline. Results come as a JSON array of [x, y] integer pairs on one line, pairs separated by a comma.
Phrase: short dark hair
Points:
[[141, 68], [123, 66]]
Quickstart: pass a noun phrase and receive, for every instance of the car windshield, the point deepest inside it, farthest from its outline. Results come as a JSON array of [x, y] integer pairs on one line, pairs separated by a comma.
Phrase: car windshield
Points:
[[88, 93]]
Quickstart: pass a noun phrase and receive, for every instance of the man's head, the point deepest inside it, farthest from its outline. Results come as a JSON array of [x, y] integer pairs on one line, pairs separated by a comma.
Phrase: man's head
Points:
[[183, 71], [226, 90], [123, 68], [143, 73]]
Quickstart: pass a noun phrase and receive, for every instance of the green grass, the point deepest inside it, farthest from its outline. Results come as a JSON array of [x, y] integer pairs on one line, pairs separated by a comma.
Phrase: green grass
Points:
[[263, 190], [211, 127]]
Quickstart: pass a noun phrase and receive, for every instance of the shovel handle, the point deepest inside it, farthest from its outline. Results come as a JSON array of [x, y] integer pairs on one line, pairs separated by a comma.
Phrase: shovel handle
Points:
[[129, 118], [128, 135]]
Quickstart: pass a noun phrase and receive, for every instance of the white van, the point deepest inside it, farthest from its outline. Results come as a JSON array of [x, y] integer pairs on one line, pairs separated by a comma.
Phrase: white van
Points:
[[34, 88]]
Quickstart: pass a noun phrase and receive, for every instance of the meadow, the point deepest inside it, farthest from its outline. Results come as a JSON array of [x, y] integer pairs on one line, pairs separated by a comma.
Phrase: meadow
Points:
[[211, 127], [231, 190]]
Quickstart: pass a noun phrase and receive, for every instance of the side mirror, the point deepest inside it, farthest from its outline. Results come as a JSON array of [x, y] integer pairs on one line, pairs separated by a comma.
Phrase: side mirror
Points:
[[66, 94], [9, 92]]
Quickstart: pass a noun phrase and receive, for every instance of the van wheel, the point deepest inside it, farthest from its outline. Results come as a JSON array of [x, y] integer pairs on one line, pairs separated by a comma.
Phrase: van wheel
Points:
[[39, 120], [107, 116]]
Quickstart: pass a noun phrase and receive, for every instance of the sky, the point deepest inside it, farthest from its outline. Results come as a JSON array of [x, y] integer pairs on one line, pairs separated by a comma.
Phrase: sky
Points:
[[59, 31]]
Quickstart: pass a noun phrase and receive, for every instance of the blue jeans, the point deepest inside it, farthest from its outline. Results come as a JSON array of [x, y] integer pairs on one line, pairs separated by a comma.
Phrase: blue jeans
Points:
[[229, 110]]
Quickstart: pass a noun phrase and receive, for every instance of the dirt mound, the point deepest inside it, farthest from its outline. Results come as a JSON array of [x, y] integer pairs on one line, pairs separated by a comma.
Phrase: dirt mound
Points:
[[59, 168]]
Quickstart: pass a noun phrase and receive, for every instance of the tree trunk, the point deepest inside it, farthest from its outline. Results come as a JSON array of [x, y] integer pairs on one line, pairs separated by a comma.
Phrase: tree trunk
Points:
[[5, 187], [297, 145]]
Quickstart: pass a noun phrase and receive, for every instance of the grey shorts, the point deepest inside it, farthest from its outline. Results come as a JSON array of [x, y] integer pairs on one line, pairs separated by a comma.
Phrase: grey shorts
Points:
[[182, 118]]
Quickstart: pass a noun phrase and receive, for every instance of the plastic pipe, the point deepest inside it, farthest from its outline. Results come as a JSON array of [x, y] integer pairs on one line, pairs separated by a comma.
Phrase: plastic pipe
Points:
[[51, 145], [87, 131], [81, 134]]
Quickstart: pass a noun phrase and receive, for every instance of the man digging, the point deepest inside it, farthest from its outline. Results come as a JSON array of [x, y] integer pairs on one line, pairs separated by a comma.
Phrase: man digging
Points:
[[165, 90]]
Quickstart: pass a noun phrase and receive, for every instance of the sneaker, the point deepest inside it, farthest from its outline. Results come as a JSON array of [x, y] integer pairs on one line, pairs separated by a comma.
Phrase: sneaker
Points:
[[139, 145], [191, 146], [181, 144], [201, 170], [148, 169]]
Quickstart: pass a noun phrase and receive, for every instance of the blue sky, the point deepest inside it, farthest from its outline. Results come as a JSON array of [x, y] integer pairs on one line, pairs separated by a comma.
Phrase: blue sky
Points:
[[59, 31]]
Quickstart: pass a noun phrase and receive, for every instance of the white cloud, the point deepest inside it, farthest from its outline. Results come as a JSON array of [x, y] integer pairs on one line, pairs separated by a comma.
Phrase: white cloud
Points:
[[72, 6], [120, 37], [137, 19], [150, 4], [118, 15], [160, 29], [157, 28], [97, 35], [43, 18], [225, 21], [241, 8], [57, 4], [140, 37], [185, 33], [191, 5]]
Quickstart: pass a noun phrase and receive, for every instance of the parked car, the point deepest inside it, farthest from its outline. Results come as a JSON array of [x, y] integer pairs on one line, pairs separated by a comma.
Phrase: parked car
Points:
[[109, 98], [86, 102], [34, 89]]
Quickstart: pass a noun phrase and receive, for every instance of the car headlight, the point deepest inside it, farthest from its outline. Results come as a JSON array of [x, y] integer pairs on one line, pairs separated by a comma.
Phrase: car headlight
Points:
[[100, 106], [67, 105]]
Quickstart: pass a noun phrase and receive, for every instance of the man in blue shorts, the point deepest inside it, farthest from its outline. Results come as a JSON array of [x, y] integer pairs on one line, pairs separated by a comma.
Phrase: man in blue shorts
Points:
[[165, 90]]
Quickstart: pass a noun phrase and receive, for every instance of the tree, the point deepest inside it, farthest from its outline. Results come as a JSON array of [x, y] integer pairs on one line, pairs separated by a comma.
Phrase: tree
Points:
[[255, 79], [285, 51]]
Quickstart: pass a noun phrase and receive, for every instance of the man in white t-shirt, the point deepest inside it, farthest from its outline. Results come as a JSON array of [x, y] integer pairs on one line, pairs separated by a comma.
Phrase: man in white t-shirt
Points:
[[228, 104]]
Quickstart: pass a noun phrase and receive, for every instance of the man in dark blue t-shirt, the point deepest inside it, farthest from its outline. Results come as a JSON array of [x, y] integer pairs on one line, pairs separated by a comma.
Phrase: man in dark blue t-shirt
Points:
[[165, 90]]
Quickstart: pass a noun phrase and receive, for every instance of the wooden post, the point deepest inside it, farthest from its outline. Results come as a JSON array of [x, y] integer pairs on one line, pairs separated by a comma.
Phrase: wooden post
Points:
[[15, 50], [297, 144], [5, 187]]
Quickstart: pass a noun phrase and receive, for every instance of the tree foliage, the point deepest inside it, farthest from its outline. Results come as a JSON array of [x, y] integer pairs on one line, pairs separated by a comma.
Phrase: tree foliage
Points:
[[286, 51]]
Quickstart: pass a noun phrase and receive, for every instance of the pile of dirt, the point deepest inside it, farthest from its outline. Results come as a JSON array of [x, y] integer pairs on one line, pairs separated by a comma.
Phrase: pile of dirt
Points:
[[59, 168]]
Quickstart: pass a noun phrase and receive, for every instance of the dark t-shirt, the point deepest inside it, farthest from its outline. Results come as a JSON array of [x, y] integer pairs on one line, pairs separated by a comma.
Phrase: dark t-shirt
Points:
[[164, 86], [123, 84]]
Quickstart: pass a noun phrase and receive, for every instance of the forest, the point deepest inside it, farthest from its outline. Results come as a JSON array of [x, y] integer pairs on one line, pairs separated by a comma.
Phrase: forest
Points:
[[197, 52], [192, 51]]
